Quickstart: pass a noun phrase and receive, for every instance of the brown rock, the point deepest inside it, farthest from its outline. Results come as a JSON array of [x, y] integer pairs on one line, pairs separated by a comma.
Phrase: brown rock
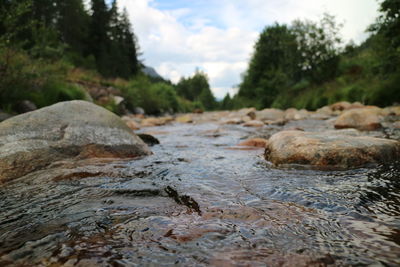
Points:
[[367, 119], [246, 111], [326, 110], [294, 114], [254, 123], [198, 111], [331, 149], [184, 119], [270, 114], [131, 123], [254, 142], [276, 122], [246, 118], [395, 110], [343, 105], [151, 122], [233, 121]]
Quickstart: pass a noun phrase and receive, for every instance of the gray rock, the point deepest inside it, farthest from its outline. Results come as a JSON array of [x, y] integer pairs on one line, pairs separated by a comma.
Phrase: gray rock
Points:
[[25, 106], [74, 129], [4, 116], [330, 149], [149, 139], [139, 110]]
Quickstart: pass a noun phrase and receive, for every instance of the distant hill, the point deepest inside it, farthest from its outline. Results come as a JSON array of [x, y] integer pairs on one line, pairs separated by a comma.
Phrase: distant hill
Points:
[[151, 72]]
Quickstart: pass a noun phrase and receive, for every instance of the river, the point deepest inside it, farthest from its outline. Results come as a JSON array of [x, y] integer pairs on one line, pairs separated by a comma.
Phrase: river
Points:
[[200, 200]]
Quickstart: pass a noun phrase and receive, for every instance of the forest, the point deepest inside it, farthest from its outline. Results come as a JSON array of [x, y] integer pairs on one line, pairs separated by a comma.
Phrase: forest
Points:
[[53, 50], [307, 65]]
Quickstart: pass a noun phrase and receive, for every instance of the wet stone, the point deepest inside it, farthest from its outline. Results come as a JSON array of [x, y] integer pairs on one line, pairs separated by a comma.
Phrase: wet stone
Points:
[[330, 149], [72, 129]]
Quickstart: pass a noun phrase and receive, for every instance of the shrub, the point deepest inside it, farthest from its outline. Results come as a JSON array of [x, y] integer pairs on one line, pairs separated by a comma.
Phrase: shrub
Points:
[[38, 80]]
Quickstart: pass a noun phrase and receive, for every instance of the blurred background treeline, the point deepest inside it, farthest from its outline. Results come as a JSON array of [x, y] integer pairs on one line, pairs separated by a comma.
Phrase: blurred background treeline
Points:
[[307, 65], [55, 50]]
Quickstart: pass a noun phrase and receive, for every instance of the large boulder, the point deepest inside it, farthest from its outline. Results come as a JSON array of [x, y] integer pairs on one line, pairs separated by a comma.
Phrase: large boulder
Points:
[[330, 149], [368, 119], [74, 129]]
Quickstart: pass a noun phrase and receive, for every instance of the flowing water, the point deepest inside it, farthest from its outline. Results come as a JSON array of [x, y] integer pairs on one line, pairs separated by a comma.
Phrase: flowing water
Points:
[[199, 200]]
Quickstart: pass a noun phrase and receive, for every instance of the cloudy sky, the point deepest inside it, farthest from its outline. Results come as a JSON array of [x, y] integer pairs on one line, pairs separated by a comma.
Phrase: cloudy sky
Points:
[[217, 36]]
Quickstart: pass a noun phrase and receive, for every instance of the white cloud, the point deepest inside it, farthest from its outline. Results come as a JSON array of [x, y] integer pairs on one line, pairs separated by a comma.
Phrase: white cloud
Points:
[[218, 36]]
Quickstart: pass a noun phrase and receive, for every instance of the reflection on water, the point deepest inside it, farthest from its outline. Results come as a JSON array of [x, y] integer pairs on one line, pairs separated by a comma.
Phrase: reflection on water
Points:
[[197, 202]]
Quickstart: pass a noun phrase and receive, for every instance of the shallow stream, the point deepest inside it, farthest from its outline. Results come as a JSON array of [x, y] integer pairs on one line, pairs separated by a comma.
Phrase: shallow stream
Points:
[[201, 200]]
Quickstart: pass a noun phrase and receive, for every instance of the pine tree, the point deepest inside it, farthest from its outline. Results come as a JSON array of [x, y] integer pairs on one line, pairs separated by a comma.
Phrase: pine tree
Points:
[[129, 44], [73, 24], [99, 39]]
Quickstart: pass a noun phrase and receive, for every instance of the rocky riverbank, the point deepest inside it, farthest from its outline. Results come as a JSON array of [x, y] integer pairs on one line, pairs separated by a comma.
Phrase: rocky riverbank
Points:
[[292, 188]]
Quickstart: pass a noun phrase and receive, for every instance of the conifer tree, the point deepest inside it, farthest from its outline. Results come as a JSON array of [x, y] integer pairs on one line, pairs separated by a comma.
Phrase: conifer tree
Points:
[[73, 24], [99, 40]]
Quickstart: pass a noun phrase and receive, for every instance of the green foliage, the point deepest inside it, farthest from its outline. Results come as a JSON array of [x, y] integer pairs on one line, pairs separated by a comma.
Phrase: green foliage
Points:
[[318, 46], [288, 58], [39, 40], [13, 23], [167, 97], [112, 41], [302, 65], [388, 24], [55, 91], [53, 28], [275, 51], [227, 103], [154, 98], [26, 78], [197, 89]]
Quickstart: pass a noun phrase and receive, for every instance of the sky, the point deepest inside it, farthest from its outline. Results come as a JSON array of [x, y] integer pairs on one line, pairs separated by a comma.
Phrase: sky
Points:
[[176, 37]]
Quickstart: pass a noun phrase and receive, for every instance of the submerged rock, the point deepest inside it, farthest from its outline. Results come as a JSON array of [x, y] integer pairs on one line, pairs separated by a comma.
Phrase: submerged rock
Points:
[[367, 119], [330, 149], [74, 129]]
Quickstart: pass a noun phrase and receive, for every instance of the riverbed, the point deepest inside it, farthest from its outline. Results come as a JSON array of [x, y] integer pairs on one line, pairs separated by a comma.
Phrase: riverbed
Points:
[[201, 200]]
